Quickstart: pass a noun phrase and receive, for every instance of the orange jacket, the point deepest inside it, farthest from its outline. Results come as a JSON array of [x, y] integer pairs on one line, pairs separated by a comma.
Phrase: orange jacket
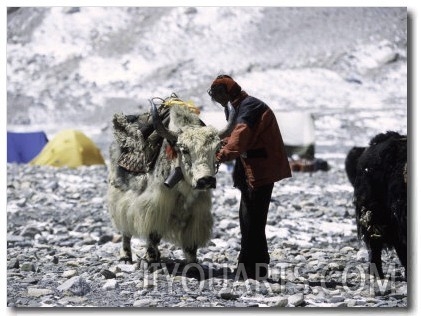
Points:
[[256, 138]]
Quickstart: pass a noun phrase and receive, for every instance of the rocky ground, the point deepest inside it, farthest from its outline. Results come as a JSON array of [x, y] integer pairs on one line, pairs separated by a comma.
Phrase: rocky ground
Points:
[[62, 250], [76, 67]]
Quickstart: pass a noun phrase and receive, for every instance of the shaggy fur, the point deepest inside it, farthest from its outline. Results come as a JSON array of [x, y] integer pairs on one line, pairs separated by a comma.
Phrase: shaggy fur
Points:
[[140, 205], [351, 162], [378, 174]]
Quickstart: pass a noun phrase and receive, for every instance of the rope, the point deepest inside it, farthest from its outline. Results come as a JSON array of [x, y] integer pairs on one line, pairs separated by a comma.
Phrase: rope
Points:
[[173, 99]]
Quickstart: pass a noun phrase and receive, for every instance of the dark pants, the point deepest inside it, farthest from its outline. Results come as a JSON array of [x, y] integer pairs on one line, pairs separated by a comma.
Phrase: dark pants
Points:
[[254, 208]]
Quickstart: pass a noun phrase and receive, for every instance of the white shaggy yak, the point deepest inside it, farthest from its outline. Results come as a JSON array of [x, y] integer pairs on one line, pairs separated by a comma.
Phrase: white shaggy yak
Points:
[[141, 205]]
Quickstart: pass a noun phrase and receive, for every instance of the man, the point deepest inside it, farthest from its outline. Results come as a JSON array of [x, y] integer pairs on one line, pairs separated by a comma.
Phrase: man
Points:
[[261, 160]]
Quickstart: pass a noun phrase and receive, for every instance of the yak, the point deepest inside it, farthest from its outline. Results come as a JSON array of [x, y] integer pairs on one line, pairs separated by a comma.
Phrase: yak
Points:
[[378, 174], [146, 205]]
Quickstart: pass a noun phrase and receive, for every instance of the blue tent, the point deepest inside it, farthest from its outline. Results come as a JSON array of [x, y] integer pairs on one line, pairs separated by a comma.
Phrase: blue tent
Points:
[[23, 147]]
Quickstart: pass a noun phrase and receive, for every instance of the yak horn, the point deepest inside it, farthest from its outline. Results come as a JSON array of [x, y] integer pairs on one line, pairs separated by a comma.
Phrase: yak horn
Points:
[[159, 126], [231, 122]]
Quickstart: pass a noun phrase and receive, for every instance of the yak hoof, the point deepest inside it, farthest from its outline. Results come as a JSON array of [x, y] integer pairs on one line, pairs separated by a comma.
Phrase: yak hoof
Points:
[[153, 255], [190, 255], [126, 259], [189, 260]]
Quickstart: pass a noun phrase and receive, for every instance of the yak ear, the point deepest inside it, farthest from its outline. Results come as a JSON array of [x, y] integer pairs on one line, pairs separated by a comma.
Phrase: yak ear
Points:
[[159, 126], [232, 116]]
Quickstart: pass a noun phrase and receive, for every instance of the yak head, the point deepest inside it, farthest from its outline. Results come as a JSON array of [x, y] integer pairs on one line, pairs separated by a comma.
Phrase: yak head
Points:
[[192, 145]]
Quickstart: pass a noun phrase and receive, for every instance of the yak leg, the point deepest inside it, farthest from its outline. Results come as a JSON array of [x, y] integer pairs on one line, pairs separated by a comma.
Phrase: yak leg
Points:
[[190, 254], [401, 252], [375, 246], [126, 249], [152, 252]]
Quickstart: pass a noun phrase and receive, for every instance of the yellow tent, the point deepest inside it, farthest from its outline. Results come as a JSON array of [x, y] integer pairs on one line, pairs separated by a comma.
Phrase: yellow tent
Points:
[[69, 148]]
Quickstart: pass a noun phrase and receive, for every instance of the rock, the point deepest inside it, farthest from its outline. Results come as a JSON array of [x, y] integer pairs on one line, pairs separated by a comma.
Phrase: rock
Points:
[[347, 249], [108, 274], [30, 231], [110, 285], [13, 264], [73, 263], [69, 274], [336, 266], [27, 266], [282, 302], [351, 303], [78, 300], [336, 299], [36, 292], [276, 288], [21, 202], [13, 239], [31, 280], [104, 239], [308, 268], [300, 258], [127, 268], [296, 299], [228, 294], [144, 303], [227, 224], [76, 285]]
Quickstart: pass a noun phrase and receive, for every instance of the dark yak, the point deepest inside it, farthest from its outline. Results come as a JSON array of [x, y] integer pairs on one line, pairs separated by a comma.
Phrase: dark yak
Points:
[[379, 176]]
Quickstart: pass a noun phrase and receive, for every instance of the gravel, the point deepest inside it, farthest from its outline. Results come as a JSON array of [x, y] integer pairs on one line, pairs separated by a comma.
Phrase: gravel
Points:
[[75, 67], [62, 250]]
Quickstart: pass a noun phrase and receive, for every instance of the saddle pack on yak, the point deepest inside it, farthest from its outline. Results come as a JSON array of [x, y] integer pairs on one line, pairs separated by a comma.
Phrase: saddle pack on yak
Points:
[[137, 138]]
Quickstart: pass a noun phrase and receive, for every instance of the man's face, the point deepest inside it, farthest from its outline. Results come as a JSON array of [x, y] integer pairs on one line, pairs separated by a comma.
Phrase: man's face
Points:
[[220, 95]]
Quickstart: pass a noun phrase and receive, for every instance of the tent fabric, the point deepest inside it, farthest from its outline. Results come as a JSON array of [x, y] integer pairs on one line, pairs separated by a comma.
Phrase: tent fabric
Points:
[[297, 128], [299, 133], [23, 147], [69, 148]]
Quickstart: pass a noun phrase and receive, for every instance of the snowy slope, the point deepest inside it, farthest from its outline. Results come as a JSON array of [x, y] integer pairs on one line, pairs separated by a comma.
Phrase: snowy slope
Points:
[[75, 67]]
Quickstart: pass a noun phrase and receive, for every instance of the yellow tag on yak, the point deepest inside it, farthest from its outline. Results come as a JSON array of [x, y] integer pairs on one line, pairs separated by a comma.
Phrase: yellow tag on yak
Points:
[[189, 104]]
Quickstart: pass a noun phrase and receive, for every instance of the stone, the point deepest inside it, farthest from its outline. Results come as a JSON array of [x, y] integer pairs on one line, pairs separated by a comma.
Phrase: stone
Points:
[[337, 299], [227, 294], [69, 274], [27, 266], [282, 302], [13, 264], [127, 268], [76, 285], [346, 249], [296, 299], [30, 231], [110, 284], [108, 274], [144, 303], [37, 292], [301, 252]]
